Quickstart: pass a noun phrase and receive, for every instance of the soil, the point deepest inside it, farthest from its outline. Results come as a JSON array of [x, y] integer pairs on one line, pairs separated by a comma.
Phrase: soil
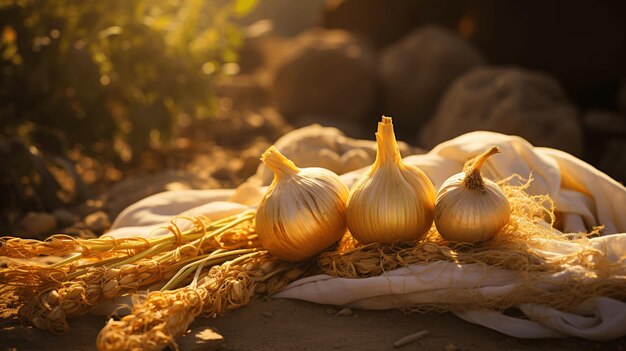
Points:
[[278, 324]]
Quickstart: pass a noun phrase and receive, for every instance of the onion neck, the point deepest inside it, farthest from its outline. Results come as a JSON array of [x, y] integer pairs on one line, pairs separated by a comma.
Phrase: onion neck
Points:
[[473, 178], [387, 146], [278, 163]]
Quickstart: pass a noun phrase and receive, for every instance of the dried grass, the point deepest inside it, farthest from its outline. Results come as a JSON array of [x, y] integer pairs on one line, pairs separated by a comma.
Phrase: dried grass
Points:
[[517, 248], [156, 321], [48, 296]]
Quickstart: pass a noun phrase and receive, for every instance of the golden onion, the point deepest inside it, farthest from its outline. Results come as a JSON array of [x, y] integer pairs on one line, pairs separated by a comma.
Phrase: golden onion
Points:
[[303, 210], [392, 201], [470, 208]]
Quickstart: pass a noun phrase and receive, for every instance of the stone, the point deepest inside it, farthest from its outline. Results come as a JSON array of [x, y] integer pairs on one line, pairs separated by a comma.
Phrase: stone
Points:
[[261, 53], [345, 312], [506, 100], [222, 172], [245, 90], [326, 72], [36, 225], [585, 50], [621, 97], [267, 314], [613, 159], [98, 221], [80, 230], [604, 123], [201, 339], [134, 188], [416, 70], [251, 158], [88, 206], [382, 22], [265, 122], [65, 217]]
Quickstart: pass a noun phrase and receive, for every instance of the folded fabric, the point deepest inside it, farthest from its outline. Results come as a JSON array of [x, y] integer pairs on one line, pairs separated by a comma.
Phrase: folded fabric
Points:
[[585, 196]]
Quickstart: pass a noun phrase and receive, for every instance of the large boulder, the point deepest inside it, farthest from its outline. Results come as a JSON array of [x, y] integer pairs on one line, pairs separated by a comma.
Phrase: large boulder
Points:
[[613, 160], [507, 100], [326, 73], [261, 49], [621, 98], [580, 43], [603, 124], [416, 71], [382, 22], [606, 142]]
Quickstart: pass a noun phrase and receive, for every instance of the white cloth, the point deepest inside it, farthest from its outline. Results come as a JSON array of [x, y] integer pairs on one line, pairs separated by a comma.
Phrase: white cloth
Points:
[[586, 196]]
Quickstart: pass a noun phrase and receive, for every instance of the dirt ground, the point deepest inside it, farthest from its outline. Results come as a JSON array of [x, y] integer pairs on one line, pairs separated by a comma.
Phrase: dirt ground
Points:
[[279, 324]]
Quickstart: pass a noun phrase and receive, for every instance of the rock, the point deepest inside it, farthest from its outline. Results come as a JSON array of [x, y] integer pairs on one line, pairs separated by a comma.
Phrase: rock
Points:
[[251, 158], [223, 172], [135, 188], [345, 312], [604, 123], [601, 129], [452, 347], [89, 206], [267, 314], [507, 100], [265, 122], [201, 339], [621, 97], [416, 71], [584, 50], [80, 230], [261, 53], [98, 221], [65, 217], [613, 159], [326, 73], [245, 91], [383, 22], [36, 225]]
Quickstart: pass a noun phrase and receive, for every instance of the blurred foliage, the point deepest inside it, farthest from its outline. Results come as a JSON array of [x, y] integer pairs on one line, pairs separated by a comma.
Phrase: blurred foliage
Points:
[[113, 75], [111, 78]]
